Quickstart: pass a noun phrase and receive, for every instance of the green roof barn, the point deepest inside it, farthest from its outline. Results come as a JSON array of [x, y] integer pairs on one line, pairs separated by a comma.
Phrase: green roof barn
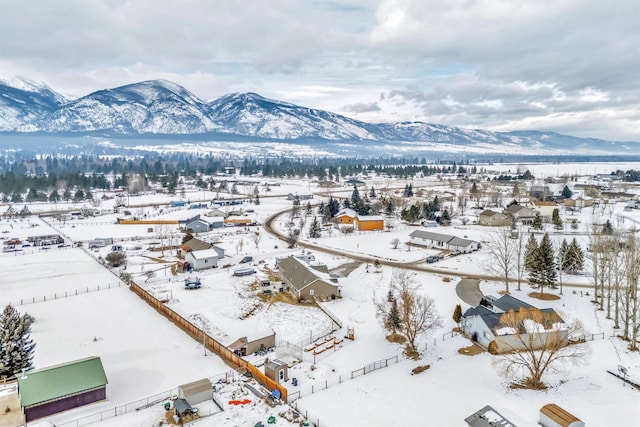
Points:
[[61, 387]]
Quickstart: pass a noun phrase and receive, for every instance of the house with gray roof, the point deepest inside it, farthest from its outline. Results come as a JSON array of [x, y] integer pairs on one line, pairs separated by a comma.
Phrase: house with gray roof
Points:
[[482, 323], [307, 283], [443, 241], [520, 213]]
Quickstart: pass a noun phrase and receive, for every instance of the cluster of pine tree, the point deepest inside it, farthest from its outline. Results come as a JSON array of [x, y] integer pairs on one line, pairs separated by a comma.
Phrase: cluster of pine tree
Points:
[[16, 346]]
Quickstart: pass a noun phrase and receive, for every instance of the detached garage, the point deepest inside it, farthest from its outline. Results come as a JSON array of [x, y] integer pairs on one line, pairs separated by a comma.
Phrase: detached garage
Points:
[[61, 387]]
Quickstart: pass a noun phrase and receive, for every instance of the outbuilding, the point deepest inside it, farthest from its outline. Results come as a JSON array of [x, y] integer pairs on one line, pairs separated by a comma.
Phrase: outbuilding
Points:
[[277, 370], [196, 392], [58, 388], [551, 415]]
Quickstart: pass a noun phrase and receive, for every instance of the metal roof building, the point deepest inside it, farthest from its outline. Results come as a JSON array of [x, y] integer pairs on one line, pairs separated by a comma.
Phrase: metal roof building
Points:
[[61, 387]]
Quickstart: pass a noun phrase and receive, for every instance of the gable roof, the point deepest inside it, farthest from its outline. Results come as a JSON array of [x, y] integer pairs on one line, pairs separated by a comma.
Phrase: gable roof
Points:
[[489, 213], [347, 212], [196, 387], [423, 234], [54, 382], [460, 242], [507, 302], [196, 244], [559, 415], [370, 218], [300, 275], [204, 254]]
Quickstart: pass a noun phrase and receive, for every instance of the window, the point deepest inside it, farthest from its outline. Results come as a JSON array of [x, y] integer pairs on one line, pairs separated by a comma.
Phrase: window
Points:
[[311, 292], [281, 375]]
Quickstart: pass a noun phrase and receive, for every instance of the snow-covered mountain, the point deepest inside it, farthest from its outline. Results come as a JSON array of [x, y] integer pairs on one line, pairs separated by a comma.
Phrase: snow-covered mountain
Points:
[[152, 107], [161, 107], [251, 114], [22, 102]]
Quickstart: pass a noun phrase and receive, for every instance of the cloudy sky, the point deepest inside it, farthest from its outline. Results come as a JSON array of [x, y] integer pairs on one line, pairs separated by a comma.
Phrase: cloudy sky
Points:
[[571, 66]]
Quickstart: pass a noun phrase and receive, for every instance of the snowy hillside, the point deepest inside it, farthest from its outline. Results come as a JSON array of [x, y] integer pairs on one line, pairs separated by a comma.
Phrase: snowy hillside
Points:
[[161, 107], [23, 102]]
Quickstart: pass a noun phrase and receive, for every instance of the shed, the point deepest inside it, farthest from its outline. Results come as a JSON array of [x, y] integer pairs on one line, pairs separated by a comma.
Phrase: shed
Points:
[[277, 370], [196, 392], [182, 408], [259, 340], [57, 388], [551, 415]]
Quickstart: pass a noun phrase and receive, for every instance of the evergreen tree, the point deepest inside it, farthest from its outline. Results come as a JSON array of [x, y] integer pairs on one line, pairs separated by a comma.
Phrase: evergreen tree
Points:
[[321, 208], [295, 209], [16, 346], [334, 206], [574, 224], [576, 257], [537, 221], [566, 192], [607, 228], [530, 252], [563, 256], [543, 272], [445, 218], [314, 228], [308, 209], [457, 314], [393, 316], [372, 193], [556, 220], [389, 209], [257, 199]]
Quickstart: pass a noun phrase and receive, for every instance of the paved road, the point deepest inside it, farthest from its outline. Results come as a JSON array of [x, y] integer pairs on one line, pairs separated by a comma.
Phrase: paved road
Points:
[[268, 226]]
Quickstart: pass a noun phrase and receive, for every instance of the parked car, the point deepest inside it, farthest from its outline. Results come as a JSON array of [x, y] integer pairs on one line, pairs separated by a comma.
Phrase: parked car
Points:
[[455, 252], [433, 258], [246, 259]]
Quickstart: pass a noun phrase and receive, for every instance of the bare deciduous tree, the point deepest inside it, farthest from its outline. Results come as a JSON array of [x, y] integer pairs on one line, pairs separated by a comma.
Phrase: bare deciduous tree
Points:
[[503, 250], [537, 343], [162, 232], [417, 313], [395, 242]]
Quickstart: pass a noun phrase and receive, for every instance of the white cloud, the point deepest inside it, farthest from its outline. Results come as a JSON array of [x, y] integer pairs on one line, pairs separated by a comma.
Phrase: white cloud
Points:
[[490, 63]]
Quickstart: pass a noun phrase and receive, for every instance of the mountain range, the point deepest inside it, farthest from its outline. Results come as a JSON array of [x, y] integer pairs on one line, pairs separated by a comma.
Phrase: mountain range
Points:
[[160, 107]]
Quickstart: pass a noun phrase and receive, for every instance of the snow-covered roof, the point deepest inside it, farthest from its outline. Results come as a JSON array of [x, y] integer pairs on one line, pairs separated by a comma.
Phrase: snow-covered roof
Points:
[[204, 254]]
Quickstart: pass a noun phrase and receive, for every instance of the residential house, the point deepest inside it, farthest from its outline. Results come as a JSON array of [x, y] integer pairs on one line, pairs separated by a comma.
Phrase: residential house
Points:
[[216, 212], [203, 259], [199, 225], [193, 244], [292, 196], [58, 388], [482, 323], [345, 216], [492, 218], [544, 208], [443, 241], [520, 214], [251, 343], [306, 282], [369, 222]]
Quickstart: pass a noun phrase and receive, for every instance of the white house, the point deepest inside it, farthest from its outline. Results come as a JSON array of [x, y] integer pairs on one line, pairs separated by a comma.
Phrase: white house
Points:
[[443, 241], [482, 323], [202, 260]]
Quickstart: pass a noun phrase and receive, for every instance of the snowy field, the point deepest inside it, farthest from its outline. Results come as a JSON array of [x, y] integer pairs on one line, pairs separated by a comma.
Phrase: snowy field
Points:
[[144, 354]]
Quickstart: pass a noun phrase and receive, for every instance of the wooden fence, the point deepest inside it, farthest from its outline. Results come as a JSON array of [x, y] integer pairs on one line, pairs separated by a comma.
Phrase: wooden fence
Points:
[[211, 344]]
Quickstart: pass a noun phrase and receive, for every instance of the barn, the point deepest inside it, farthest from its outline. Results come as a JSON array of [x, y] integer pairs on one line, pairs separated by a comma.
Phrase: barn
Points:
[[57, 388]]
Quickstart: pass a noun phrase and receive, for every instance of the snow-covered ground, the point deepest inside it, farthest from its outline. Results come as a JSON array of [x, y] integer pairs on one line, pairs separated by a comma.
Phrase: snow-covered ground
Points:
[[144, 354]]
